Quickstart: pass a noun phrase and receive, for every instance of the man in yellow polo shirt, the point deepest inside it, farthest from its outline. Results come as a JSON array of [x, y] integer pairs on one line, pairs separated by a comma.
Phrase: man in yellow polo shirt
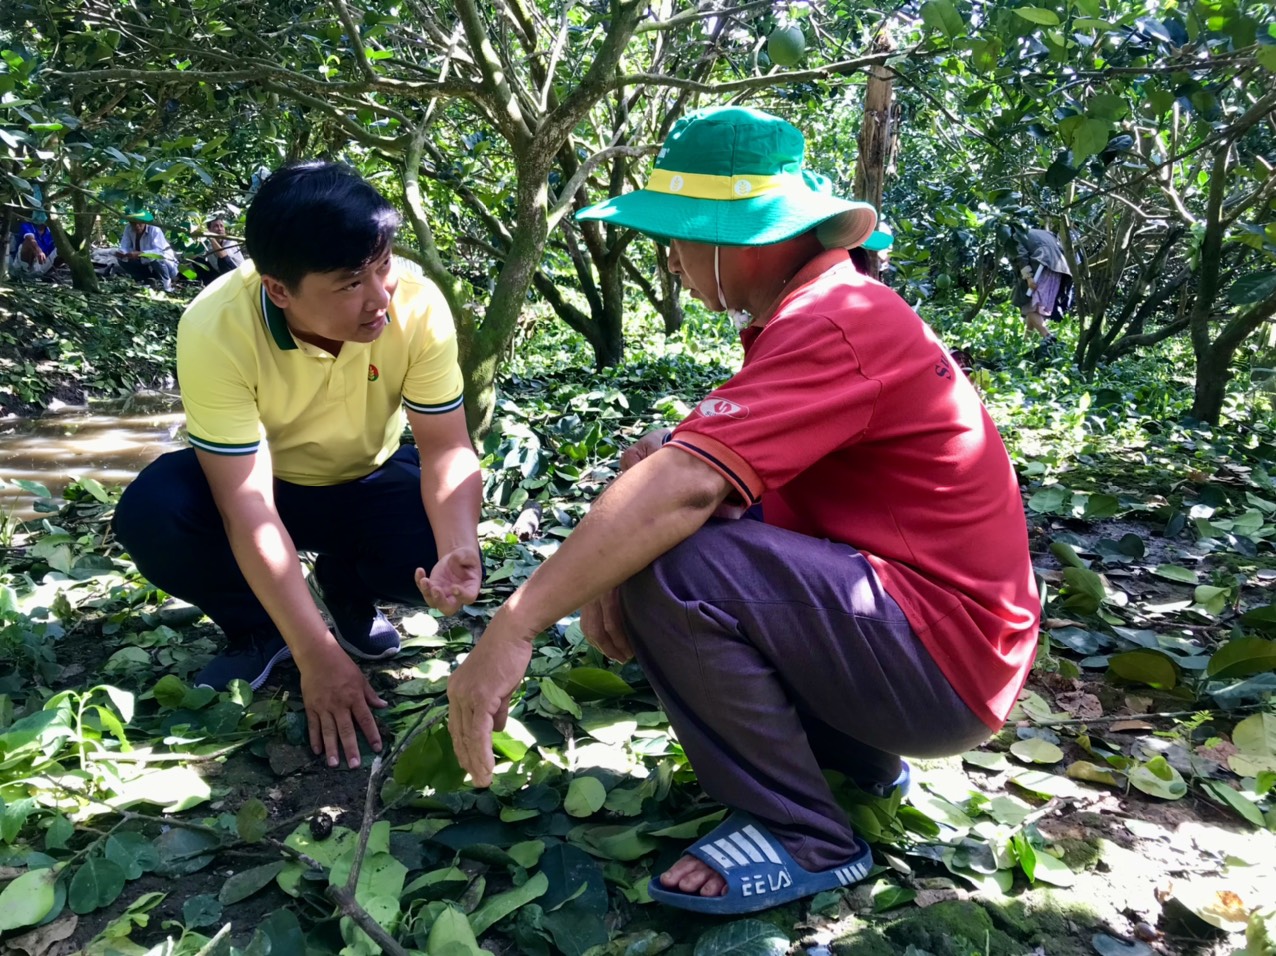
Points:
[[293, 370]]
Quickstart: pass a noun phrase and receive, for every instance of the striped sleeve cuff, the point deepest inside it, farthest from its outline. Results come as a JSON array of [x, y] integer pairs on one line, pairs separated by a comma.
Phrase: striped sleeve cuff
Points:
[[738, 472], [439, 409], [224, 448]]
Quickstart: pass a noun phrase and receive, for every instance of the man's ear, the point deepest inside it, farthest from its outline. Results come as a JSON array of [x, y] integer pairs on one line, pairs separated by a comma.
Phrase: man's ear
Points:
[[277, 290]]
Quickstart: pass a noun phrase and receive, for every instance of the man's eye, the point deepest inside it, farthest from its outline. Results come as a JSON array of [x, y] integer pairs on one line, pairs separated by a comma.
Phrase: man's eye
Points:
[[352, 285]]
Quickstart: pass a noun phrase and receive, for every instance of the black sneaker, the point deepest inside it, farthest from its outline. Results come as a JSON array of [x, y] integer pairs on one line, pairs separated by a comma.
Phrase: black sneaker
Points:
[[358, 626], [248, 659]]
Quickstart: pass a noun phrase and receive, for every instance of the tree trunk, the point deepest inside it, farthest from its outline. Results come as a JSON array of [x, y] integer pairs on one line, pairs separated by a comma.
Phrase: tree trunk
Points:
[[484, 345], [83, 275], [876, 138], [670, 303], [6, 230], [1212, 376]]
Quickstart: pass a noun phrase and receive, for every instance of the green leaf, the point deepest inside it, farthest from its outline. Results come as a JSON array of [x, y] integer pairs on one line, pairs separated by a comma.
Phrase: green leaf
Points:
[[1146, 666], [429, 762], [451, 935], [1089, 138], [594, 683], [28, 899], [60, 830], [169, 691], [585, 796], [1026, 854], [514, 741], [173, 788], [1049, 500], [1039, 15], [1102, 506], [250, 821], [576, 901], [1266, 57], [943, 16], [1092, 773], [247, 882], [502, 905], [1066, 554], [1255, 736], [201, 910], [183, 851], [1252, 288], [1036, 750], [887, 896], [1174, 572], [132, 852], [1084, 591], [558, 698], [1157, 778], [1242, 657], [97, 883], [986, 760], [746, 937], [1263, 618], [1229, 797], [1052, 870]]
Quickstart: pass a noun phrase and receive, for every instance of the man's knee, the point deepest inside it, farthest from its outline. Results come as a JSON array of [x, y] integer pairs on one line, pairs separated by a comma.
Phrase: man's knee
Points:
[[664, 588], [165, 490]]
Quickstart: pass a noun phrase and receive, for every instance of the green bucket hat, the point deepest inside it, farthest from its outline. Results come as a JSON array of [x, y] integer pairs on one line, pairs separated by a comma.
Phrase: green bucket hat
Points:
[[141, 215], [732, 176]]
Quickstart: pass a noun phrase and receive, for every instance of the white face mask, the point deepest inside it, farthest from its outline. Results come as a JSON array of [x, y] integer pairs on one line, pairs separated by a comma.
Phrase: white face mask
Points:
[[740, 318]]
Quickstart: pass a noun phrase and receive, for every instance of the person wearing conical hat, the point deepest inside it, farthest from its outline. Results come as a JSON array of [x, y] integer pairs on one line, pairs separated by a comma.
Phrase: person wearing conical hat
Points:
[[885, 602]]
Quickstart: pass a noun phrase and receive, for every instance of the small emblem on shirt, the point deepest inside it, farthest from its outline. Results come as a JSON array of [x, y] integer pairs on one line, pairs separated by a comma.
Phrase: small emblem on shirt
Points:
[[373, 372], [720, 406]]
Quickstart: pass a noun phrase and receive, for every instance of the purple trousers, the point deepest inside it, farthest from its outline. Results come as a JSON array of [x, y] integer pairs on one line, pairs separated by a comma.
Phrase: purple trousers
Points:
[[776, 656]]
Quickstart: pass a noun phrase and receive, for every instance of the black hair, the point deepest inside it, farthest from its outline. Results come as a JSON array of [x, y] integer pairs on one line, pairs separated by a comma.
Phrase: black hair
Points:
[[317, 217], [859, 256]]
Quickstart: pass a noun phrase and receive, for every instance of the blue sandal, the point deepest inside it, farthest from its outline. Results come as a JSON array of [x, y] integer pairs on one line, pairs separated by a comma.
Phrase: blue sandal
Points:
[[759, 872]]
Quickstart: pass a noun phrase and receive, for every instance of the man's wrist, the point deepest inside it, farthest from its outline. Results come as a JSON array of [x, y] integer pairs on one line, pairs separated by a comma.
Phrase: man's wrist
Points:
[[312, 648]]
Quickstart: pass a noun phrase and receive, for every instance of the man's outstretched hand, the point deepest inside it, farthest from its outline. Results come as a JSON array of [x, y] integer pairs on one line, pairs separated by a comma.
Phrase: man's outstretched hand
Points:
[[338, 698], [600, 620], [479, 694], [454, 582], [644, 446]]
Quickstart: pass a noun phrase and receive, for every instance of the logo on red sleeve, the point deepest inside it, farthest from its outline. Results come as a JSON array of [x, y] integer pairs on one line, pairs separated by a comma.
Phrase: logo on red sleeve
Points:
[[720, 406]]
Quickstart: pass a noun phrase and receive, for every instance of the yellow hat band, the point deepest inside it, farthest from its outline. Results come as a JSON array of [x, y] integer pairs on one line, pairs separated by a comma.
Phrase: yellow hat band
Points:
[[704, 186]]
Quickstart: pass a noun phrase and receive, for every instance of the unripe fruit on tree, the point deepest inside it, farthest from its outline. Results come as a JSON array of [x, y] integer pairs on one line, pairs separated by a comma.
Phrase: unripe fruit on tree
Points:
[[786, 45]]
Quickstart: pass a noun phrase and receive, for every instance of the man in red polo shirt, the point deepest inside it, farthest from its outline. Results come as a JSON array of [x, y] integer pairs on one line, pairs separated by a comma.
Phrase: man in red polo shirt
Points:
[[885, 604]]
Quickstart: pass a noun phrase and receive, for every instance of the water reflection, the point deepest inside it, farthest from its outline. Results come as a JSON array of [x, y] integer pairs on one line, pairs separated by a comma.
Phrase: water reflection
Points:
[[109, 441]]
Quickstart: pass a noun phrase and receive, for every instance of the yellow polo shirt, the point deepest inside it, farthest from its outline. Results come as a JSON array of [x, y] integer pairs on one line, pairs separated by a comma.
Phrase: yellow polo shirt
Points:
[[327, 420]]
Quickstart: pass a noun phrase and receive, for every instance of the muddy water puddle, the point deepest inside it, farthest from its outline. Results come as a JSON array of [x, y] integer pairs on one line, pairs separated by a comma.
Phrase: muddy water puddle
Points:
[[108, 441]]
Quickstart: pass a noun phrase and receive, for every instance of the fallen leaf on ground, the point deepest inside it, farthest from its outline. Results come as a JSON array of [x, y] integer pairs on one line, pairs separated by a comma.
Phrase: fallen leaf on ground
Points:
[[1218, 754], [1138, 705], [42, 939], [1117, 726], [1080, 705]]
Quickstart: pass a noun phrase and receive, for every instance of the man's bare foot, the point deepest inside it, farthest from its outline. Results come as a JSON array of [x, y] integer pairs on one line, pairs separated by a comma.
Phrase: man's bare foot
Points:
[[690, 875]]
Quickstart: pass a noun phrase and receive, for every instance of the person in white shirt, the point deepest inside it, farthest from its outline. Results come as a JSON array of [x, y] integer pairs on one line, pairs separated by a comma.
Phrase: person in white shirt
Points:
[[144, 254], [223, 254]]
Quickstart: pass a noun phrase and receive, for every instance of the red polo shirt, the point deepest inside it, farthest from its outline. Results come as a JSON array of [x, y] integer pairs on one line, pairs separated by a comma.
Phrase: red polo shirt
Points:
[[849, 422]]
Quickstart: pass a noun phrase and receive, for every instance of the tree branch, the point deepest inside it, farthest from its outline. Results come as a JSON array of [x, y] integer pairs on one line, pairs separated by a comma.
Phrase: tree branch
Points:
[[500, 98], [356, 39], [753, 83], [564, 201]]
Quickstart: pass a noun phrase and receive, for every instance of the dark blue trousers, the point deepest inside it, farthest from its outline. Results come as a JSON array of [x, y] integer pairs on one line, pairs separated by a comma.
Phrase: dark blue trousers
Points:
[[371, 535]]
